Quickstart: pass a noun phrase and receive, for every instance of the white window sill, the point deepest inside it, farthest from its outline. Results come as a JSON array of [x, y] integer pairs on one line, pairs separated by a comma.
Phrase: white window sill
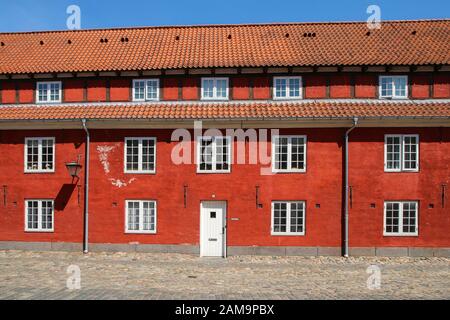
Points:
[[140, 232], [400, 234], [39, 231], [287, 234], [39, 171], [213, 172], [140, 172], [287, 98], [215, 99], [288, 171]]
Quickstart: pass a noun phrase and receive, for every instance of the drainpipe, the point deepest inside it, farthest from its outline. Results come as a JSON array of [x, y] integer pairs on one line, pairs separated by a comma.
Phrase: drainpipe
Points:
[[346, 236], [86, 189]]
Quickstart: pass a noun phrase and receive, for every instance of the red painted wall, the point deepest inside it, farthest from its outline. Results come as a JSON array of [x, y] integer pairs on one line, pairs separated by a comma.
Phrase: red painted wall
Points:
[[176, 224], [96, 91], [74, 90], [340, 86], [8, 92], [120, 90], [366, 86], [241, 88], [321, 185], [261, 88], [190, 89], [315, 86], [170, 89], [372, 185], [441, 86], [420, 86], [26, 92]]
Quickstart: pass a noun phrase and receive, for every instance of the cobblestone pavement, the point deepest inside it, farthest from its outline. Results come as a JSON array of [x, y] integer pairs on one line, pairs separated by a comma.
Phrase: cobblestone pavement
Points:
[[32, 275]]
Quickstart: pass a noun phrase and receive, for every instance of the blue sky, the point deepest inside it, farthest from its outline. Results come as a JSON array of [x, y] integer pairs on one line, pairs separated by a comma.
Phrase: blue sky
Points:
[[30, 15]]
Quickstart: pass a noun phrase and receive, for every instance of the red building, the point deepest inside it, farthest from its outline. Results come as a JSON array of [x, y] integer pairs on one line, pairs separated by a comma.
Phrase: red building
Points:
[[356, 160]]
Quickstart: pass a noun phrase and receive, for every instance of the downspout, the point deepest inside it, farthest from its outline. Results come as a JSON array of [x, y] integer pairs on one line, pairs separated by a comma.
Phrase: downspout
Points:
[[86, 189], [346, 218]]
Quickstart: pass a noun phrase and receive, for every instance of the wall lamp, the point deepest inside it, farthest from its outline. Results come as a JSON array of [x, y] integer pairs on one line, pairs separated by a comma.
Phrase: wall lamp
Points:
[[74, 168]]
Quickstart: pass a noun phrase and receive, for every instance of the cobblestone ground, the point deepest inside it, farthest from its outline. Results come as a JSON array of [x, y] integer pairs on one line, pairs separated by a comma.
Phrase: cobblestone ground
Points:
[[26, 275]]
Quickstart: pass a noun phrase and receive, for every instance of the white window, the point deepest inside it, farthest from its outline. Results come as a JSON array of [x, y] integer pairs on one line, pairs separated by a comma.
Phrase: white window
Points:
[[401, 153], [48, 92], [39, 154], [401, 218], [394, 87], [140, 155], [146, 90], [214, 154], [39, 215], [140, 216], [288, 218], [215, 88], [287, 88], [289, 154]]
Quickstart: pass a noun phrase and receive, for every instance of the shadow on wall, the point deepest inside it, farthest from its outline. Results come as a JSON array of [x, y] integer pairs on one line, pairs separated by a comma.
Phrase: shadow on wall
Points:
[[63, 196]]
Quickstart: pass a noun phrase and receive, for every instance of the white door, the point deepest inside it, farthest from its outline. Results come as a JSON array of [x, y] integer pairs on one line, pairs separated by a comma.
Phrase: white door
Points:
[[212, 229]]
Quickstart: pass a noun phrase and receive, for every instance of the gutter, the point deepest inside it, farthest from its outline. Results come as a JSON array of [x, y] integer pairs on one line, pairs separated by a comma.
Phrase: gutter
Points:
[[346, 186], [86, 188]]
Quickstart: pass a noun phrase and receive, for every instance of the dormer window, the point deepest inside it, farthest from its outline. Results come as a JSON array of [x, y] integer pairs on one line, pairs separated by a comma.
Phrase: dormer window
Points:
[[287, 88], [48, 92], [393, 87], [215, 88], [146, 90]]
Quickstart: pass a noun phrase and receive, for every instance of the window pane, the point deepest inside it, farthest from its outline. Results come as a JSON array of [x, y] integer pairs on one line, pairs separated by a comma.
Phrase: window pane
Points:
[[148, 154], [400, 86], [132, 157], [206, 154], [222, 152], [47, 215], [148, 216], [32, 215], [54, 92], [392, 217], [221, 88], [298, 153], [139, 90], [208, 88], [42, 92], [281, 153], [47, 154], [152, 89], [409, 217], [393, 150], [294, 87], [280, 88], [133, 216], [386, 87], [297, 217], [280, 217], [410, 152], [32, 154]]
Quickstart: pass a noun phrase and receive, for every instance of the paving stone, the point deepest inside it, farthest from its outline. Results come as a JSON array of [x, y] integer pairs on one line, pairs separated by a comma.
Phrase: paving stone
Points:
[[140, 276]]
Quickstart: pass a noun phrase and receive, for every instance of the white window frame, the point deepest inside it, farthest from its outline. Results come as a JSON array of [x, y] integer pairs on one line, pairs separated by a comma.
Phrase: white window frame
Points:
[[214, 160], [140, 155], [47, 84], [39, 229], [400, 232], [145, 90], [215, 97], [39, 169], [402, 153], [288, 219], [141, 215], [288, 92], [289, 169], [394, 96]]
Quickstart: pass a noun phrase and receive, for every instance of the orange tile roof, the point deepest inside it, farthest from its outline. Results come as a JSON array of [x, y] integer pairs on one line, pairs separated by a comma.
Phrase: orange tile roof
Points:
[[419, 42], [230, 110]]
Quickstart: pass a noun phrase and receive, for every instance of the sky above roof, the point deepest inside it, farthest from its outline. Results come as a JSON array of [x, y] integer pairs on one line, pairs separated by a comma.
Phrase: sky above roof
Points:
[[32, 15]]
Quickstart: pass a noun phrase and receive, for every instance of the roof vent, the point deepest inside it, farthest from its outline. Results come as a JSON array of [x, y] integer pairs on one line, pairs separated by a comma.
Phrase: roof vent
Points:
[[69, 41], [124, 39], [309, 34], [368, 33], [104, 40], [287, 35], [41, 43], [2, 44], [229, 36], [414, 32], [177, 38]]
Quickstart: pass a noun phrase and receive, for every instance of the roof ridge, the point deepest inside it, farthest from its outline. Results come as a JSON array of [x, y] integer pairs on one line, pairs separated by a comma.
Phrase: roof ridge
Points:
[[223, 26]]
